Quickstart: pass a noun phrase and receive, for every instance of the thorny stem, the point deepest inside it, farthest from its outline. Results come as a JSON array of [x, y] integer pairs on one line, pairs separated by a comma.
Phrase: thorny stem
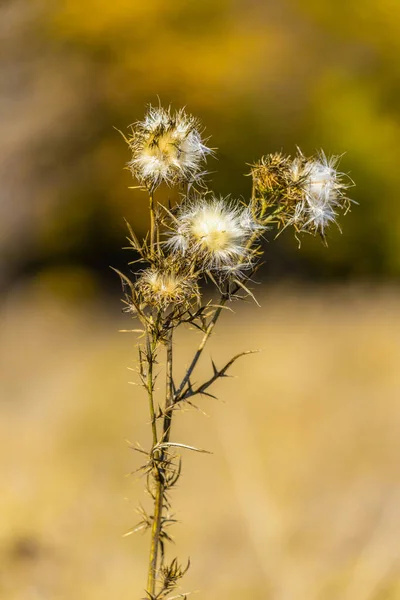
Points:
[[152, 223], [150, 349], [169, 397], [159, 474], [155, 535], [158, 498]]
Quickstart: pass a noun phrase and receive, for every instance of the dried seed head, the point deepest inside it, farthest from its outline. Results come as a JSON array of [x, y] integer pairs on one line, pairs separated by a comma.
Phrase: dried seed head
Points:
[[162, 286], [166, 147], [269, 174], [304, 192], [275, 189], [215, 232]]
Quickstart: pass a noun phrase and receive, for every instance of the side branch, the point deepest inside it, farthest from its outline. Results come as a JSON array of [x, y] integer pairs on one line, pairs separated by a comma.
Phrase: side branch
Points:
[[202, 389], [200, 349]]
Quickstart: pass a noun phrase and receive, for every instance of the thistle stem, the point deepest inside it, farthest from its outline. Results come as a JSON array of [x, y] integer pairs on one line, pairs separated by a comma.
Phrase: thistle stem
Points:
[[152, 223], [159, 474], [169, 397], [150, 350], [155, 535]]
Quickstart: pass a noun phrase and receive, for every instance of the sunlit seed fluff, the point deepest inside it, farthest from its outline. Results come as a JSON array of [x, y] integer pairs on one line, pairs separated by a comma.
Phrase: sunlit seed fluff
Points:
[[162, 288], [166, 147], [248, 223], [215, 230], [323, 192], [239, 270]]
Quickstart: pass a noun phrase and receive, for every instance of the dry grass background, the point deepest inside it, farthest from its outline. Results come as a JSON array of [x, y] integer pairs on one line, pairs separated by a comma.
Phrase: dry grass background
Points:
[[300, 499]]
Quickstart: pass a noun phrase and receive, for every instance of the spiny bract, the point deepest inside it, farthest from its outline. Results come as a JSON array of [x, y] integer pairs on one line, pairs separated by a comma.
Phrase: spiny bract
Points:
[[160, 287]]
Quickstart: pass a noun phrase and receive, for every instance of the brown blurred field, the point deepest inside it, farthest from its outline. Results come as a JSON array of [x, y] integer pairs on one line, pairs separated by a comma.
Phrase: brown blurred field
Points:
[[300, 499]]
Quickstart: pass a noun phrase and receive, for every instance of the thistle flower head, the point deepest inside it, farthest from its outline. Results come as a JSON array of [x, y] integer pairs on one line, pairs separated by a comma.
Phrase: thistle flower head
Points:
[[165, 285], [304, 192], [269, 174], [166, 147], [215, 231]]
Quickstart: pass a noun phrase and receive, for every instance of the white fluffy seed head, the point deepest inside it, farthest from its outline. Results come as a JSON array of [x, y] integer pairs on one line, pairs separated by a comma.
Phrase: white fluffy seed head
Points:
[[216, 231], [166, 147], [323, 192]]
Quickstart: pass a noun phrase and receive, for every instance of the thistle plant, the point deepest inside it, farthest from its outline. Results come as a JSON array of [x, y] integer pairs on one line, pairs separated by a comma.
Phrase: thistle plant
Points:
[[202, 239]]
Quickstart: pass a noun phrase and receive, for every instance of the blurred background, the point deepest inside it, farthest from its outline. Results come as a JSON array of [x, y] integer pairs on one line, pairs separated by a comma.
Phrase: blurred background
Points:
[[300, 498]]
